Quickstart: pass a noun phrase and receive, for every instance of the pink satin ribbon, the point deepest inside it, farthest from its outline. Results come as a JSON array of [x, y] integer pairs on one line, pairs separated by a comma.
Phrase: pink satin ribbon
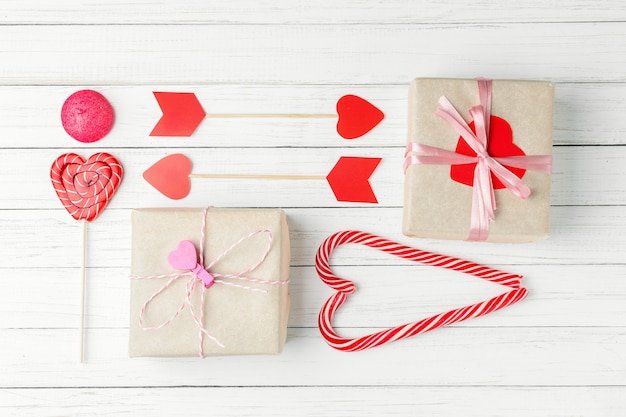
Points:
[[483, 195], [196, 276]]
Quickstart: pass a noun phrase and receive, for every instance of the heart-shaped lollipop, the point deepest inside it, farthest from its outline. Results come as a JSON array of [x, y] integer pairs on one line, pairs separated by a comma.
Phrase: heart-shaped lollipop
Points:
[[357, 116], [85, 187]]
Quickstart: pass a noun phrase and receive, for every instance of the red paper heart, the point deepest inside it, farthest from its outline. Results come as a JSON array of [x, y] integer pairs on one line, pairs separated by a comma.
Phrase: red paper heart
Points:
[[500, 145], [85, 187], [170, 176], [357, 116]]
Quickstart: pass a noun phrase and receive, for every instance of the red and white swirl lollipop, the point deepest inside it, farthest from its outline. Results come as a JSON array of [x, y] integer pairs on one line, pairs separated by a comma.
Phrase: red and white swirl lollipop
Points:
[[86, 187]]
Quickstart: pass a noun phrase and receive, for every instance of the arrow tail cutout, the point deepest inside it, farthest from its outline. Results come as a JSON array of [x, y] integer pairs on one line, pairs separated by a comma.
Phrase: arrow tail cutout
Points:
[[182, 114], [343, 287], [349, 179]]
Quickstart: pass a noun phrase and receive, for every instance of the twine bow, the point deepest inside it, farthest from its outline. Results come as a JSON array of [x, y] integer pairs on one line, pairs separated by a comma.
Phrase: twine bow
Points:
[[186, 258]]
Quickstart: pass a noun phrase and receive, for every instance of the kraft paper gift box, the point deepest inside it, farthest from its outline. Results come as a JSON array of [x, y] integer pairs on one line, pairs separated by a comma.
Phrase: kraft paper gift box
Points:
[[243, 321], [435, 205]]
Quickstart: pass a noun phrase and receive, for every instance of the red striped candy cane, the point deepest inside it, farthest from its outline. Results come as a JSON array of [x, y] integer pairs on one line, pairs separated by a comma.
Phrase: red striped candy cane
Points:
[[345, 287]]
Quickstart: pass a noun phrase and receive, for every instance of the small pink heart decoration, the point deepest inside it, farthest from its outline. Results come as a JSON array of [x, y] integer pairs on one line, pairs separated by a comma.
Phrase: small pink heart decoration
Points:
[[357, 116], [170, 176], [185, 257]]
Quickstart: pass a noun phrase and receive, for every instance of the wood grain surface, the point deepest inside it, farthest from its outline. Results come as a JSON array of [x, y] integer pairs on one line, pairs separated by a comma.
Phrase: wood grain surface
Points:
[[560, 352]]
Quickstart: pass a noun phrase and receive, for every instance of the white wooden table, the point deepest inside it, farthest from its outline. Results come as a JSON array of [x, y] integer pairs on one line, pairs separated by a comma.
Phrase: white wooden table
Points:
[[561, 352]]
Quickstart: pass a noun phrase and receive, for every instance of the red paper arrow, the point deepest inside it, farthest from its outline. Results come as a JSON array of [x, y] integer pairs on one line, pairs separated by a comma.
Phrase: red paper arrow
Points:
[[182, 113], [348, 179]]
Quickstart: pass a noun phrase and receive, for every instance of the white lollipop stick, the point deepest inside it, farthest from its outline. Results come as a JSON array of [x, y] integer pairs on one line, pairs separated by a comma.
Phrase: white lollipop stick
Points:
[[84, 285]]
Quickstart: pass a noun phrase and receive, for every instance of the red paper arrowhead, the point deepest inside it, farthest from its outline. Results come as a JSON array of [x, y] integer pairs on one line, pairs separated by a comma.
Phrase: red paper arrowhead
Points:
[[357, 116], [349, 179], [170, 176], [182, 113]]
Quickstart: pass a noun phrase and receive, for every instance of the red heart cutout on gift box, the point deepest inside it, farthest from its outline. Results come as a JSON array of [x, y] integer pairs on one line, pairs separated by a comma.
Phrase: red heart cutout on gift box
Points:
[[170, 176], [85, 187], [500, 144], [357, 116]]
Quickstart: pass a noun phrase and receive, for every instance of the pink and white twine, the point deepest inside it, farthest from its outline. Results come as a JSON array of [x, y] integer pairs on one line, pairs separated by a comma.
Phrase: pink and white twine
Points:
[[483, 196], [195, 277]]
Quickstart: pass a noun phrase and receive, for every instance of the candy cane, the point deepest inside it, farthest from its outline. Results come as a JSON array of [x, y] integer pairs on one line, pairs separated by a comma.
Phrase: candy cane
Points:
[[345, 287]]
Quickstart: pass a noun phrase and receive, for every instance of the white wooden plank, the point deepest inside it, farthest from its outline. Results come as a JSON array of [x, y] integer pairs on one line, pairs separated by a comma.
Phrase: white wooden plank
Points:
[[456, 356], [558, 353], [581, 176], [559, 296], [584, 114], [540, 401], [308, 161], [33, 116], [580, 236], [357, 54], [300, 11]]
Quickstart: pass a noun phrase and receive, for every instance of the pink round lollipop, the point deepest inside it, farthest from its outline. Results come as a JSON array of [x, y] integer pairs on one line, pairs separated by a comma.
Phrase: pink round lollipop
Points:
[[87, 116]]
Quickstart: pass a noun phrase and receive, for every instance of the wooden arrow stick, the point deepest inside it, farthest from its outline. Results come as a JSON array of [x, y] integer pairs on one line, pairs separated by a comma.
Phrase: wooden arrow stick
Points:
[[270, 116], [259, 176]]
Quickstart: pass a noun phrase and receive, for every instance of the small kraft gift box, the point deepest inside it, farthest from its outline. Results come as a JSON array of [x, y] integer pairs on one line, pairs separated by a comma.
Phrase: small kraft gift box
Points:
[[208, 282], [478, 160]]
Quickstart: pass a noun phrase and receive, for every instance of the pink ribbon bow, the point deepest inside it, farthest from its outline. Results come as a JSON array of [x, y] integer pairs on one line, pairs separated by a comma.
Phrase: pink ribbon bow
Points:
[[186, 258], [483, 195]]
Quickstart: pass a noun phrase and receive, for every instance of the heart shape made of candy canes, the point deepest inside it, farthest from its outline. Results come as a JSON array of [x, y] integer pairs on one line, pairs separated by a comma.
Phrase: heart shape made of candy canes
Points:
[[343, 287], [86, 187], [170, 176], [357, 116]]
